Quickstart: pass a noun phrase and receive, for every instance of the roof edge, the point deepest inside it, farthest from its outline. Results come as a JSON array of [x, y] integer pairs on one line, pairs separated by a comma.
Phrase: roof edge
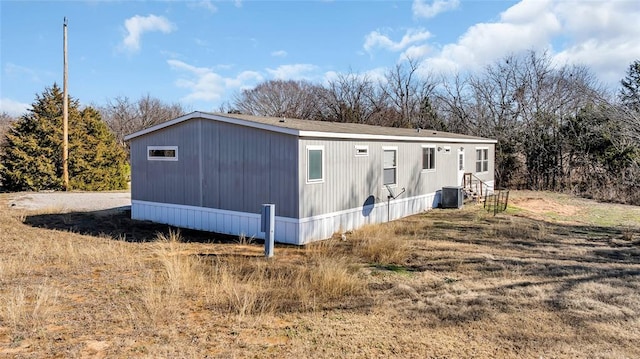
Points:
[[210, 116], [359, 136], [301, 133]]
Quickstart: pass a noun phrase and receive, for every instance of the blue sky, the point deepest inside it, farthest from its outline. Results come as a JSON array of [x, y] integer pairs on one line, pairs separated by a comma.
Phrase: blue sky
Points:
[[202, 53]]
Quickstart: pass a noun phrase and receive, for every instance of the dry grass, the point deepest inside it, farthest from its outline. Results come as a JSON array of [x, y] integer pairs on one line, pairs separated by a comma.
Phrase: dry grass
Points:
[[383, 244], [555, 276]]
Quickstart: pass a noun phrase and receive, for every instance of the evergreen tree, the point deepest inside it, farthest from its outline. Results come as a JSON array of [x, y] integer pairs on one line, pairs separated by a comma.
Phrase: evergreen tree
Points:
[[630, 91], [32, 153]]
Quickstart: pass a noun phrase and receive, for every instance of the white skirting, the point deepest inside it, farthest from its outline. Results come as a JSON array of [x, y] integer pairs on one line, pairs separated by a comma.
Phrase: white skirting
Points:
[[287, 230]]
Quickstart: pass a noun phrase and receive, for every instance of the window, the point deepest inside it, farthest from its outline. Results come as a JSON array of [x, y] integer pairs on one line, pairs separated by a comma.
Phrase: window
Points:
[[362, 151], [389, 167], [482, 159], [461, 161], [315, 164], [428, 158], [162, 153]]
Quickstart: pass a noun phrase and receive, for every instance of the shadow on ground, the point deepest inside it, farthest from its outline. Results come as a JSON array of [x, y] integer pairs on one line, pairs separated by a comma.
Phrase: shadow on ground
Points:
[[117, 224]]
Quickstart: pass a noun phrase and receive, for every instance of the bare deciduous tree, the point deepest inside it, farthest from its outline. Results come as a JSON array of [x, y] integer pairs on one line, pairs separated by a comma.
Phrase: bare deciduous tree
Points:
[[409, 95], [5, 123], [124, 116], [277, 98], [351, 98]]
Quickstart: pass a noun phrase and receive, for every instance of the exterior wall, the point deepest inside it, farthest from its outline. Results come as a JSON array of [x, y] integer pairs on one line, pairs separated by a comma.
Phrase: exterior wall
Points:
[[220, 165], [352, 193], [167, 181], [470, 163], [351, 180]]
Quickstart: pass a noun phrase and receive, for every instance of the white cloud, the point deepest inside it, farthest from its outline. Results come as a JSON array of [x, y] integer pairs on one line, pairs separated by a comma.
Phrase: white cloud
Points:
[[527, 25], [377, 74], [138, 25], [206, 85], [279, 53], [601, 35], [12, 107], [293, 72], [416, 52], [24, 72], [204, 4], [422, 9], [376, 39]]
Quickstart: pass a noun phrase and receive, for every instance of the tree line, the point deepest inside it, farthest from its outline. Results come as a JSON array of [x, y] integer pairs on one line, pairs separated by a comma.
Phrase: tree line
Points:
[[557, 127]]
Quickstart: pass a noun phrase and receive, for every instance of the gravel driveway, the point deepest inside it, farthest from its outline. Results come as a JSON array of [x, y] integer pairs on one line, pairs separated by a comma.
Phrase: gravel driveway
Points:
[[70, 201]]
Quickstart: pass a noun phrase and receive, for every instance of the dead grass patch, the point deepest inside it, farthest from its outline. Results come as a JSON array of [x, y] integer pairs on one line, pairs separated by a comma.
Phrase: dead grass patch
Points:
[[384, 244]]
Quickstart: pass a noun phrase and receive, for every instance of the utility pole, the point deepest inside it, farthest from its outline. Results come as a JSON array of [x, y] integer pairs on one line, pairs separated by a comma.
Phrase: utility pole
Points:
[[65, 113]]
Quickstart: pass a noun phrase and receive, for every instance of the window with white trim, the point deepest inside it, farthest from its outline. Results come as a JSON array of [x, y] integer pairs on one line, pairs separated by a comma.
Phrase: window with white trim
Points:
[[162, 153], [362, 151], [315, 164], [482, 159], [390, 166], [428, 157]]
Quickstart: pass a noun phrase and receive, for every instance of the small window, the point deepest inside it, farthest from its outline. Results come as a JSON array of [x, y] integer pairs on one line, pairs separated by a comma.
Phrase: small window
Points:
[[461, 161], [389, 167], [428, 158], [162, 153], [315, 164], [482, 159], [362, 151]]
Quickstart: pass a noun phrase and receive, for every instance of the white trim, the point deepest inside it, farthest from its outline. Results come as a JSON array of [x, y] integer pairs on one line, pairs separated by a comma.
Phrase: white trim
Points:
[[161, 158], [360, 148], [461, 171], [475, 164], [287, 230], [395, 158], [435, 164], [315, 148], [301, 133], [213, 220]]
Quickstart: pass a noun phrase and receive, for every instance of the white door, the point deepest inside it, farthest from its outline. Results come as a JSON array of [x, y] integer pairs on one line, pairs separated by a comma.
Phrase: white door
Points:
[[460, 166]]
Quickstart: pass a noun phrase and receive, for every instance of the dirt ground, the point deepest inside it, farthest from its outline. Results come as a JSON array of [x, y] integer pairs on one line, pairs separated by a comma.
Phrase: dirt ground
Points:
[[69, 201]]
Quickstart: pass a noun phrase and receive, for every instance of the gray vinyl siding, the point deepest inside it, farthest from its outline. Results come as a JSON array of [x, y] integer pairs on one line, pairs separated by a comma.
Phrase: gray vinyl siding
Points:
[[470, 160], [239, 168], [349, 180], [167, 181]]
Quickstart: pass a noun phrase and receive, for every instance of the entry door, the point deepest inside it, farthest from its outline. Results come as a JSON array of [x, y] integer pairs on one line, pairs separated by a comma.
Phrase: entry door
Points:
[[460, 166]]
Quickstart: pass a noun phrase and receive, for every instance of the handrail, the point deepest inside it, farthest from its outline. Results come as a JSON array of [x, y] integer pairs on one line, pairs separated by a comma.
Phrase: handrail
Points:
[[471, 176]]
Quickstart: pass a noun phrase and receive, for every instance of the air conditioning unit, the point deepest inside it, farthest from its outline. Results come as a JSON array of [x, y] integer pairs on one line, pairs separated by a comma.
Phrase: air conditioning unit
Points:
[[452, 197]]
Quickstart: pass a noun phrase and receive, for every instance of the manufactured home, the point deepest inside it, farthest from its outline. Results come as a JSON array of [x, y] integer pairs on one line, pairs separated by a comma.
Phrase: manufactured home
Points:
[[214, 172]]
